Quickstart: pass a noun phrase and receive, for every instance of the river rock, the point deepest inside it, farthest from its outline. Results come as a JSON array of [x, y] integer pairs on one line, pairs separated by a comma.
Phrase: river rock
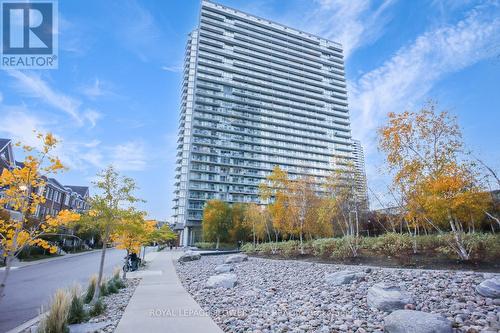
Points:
[[409, 321], [343, 277], [387, 297], [490, 288], [189, 256], [88, 327], [235, 258], [225, 280], [224, 268]]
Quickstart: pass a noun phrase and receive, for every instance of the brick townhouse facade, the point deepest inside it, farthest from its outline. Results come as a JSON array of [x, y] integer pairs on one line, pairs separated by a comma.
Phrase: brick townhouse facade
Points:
[[57, 196]]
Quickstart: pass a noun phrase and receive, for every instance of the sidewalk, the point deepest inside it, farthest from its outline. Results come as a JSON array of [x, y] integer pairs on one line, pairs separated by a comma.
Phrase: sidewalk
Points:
[[160, 302]]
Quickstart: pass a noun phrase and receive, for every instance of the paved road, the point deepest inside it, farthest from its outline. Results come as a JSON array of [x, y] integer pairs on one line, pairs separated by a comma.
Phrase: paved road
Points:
[[31, 286]]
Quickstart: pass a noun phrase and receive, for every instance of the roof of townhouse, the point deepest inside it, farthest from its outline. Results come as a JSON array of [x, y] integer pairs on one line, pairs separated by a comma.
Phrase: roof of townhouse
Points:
[[81, 190], [3, 143], [54, 182]]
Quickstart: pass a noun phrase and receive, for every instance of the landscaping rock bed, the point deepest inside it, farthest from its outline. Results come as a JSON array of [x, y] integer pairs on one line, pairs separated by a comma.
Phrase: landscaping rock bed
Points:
[[293, 296], [115, 306], [109, 319]]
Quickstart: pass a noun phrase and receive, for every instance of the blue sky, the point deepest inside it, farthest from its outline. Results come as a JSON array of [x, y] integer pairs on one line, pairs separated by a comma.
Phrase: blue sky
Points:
[[115, 97]]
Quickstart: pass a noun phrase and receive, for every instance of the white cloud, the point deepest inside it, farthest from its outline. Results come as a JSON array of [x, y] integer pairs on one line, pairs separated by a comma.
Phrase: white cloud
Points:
[[351, 23], [92, 116], [405, 79], [33, 85], [19, 126], [129, 156], [173, 69], [411, 72], [97, 89]]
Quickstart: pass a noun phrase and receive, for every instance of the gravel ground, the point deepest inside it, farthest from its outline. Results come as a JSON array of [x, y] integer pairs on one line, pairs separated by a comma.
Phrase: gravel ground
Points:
[[115, 306], [287, 295]]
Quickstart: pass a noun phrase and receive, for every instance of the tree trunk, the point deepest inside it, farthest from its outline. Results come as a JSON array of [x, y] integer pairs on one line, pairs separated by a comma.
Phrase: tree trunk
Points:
[[8, 264], [460, 247], [101, 267], [301, 243], [124, 276], [253, 228], [217, 246]]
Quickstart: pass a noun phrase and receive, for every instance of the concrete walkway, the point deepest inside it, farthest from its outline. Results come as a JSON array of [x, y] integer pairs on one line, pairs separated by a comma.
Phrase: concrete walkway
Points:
[[161, 304]]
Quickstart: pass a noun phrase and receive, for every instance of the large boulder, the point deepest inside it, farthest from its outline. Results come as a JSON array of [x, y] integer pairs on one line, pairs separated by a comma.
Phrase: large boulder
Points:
[[224, 268], [490, 287], [343, 277], [225, 280], [235, 258], [388, 297], [189, 256], [409, 321]]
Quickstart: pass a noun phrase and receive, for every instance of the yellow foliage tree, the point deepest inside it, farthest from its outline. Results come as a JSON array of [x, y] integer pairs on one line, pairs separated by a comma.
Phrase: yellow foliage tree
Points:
[[302, 208], [163, 234], [22, 193], [133, 232], [275, 192], [255, 219], [108, 210], [438, 184], [216, 223]]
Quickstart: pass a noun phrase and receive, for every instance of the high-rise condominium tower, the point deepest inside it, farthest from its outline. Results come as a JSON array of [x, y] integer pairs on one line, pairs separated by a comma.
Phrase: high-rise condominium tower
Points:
[[255, 94], [360, 174]]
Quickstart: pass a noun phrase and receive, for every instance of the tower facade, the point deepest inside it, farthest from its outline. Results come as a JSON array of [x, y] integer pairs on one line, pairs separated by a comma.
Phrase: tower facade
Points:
[[360, 176], [255, 94]]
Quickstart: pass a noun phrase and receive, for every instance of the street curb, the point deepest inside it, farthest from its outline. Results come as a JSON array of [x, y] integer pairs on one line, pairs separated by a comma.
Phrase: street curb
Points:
[[26, 325], [41, 261]]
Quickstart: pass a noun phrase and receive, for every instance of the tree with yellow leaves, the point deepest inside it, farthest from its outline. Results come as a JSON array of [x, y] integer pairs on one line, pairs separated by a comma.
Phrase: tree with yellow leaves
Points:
[[275, 192], [302, 208], [163, 234], [438, 184], [239, 231], [23, 192], [256, 221], [342, 205], [132, 233], [109, 209], [216, 223]]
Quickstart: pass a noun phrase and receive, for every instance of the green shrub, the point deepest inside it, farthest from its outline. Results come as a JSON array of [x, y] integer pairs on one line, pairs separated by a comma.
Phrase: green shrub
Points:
[[429, 242], [345, 246], [289, 248], [481, 246], [97, 308], [248, 248], [324, 247], [213, 245], [103, 289], [89, 294], [266, 248], [112, 288], [392, 244], [77, 313], [338, 248], [119, 283]]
